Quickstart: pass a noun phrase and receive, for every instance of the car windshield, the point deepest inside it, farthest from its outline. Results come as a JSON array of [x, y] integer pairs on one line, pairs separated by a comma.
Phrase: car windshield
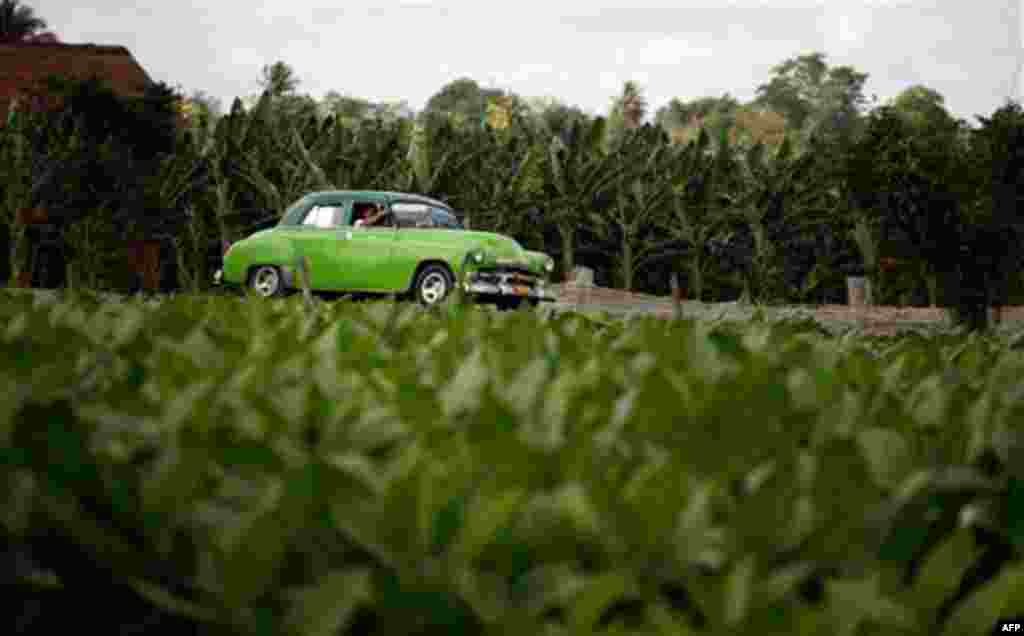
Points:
[[295, 212], [444, 218]]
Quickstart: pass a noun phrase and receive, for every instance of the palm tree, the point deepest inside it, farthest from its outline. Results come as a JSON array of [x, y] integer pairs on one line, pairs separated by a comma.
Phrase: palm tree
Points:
[[18, 22], [634, 105], [627, 114]]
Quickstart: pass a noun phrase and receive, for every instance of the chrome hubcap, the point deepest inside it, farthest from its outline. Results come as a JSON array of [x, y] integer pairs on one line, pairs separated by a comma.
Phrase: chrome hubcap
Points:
[[266, 281], [434, 287]]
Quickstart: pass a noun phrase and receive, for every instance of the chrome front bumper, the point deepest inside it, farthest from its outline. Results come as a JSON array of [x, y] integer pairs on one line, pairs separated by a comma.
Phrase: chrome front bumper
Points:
[[522, 291]]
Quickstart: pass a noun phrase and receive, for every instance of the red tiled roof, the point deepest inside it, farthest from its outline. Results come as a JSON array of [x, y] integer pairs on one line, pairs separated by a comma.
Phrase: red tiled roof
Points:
[[24, 64]]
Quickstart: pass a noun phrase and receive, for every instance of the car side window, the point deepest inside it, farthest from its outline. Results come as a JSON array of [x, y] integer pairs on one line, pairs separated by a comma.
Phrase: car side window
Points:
[[324, 216], [364, 214], [311, 217], [411, 215]]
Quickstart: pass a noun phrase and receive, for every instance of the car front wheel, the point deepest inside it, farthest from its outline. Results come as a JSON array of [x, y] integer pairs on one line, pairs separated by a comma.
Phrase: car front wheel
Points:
[[433, 285], [266, 281]]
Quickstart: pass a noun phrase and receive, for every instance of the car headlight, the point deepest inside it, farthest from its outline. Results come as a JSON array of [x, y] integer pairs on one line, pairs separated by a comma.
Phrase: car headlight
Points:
[[478, 257], [549, 266]]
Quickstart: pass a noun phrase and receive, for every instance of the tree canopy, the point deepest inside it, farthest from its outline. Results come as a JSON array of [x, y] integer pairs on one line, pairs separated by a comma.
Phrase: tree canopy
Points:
[[814, 97], [18, 22]]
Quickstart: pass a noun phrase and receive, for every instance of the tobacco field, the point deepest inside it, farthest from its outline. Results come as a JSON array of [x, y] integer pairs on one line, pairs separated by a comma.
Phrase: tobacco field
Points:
[[224, 465]]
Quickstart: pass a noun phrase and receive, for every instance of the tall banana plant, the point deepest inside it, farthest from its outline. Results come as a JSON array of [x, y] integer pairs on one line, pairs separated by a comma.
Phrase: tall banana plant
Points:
[[34, 154], [701, 181], [578, 173], [498, 192], [436, 157], [642, 200], [18, 163], [231, 157], [776, 193], [280, 166], [252, 168], [181, 181], [178, 180], [226, 154], [366, 155]]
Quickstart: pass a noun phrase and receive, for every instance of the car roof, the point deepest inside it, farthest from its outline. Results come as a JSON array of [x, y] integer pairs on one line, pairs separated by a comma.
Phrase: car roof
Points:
[[379, 195]]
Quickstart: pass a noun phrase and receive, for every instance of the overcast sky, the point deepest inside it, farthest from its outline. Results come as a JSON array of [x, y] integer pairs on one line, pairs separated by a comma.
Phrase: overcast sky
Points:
[[580, 51]]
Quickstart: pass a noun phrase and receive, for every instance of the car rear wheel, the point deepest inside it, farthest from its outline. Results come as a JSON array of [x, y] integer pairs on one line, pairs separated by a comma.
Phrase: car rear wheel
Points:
[[266, 281], [433, 285]]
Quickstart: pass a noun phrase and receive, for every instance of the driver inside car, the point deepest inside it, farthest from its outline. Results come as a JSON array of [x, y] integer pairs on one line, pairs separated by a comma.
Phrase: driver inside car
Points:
[[372, 217]]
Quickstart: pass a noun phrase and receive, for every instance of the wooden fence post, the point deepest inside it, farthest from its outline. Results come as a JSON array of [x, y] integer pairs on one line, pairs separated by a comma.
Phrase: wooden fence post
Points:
[[677, 295], [305, 277]]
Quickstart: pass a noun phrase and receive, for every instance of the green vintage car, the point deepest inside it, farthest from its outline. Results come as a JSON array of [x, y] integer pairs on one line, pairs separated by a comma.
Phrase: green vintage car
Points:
[[415, 246]]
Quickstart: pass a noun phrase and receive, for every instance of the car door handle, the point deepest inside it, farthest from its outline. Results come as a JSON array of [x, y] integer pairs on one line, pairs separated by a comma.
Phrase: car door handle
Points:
[[347, 236]]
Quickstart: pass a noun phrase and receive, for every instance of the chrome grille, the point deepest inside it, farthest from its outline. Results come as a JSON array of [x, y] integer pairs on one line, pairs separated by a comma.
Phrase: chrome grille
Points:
[[505, 276]]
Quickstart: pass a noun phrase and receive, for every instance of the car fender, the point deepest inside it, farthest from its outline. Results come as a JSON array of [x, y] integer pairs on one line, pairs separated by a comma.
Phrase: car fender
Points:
[[536, 262], [453, 259], [412, 258], [266, 248]]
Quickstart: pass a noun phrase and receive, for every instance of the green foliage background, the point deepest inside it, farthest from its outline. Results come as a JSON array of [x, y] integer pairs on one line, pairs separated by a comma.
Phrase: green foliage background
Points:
[[774, 201]]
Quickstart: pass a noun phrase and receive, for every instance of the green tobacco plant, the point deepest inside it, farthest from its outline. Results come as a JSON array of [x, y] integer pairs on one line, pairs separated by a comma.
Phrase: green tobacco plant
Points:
[[223, 465]]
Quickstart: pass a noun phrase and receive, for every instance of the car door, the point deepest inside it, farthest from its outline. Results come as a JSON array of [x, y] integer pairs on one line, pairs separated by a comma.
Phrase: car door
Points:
[[317, 239], [365, 255], [413, 244]]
